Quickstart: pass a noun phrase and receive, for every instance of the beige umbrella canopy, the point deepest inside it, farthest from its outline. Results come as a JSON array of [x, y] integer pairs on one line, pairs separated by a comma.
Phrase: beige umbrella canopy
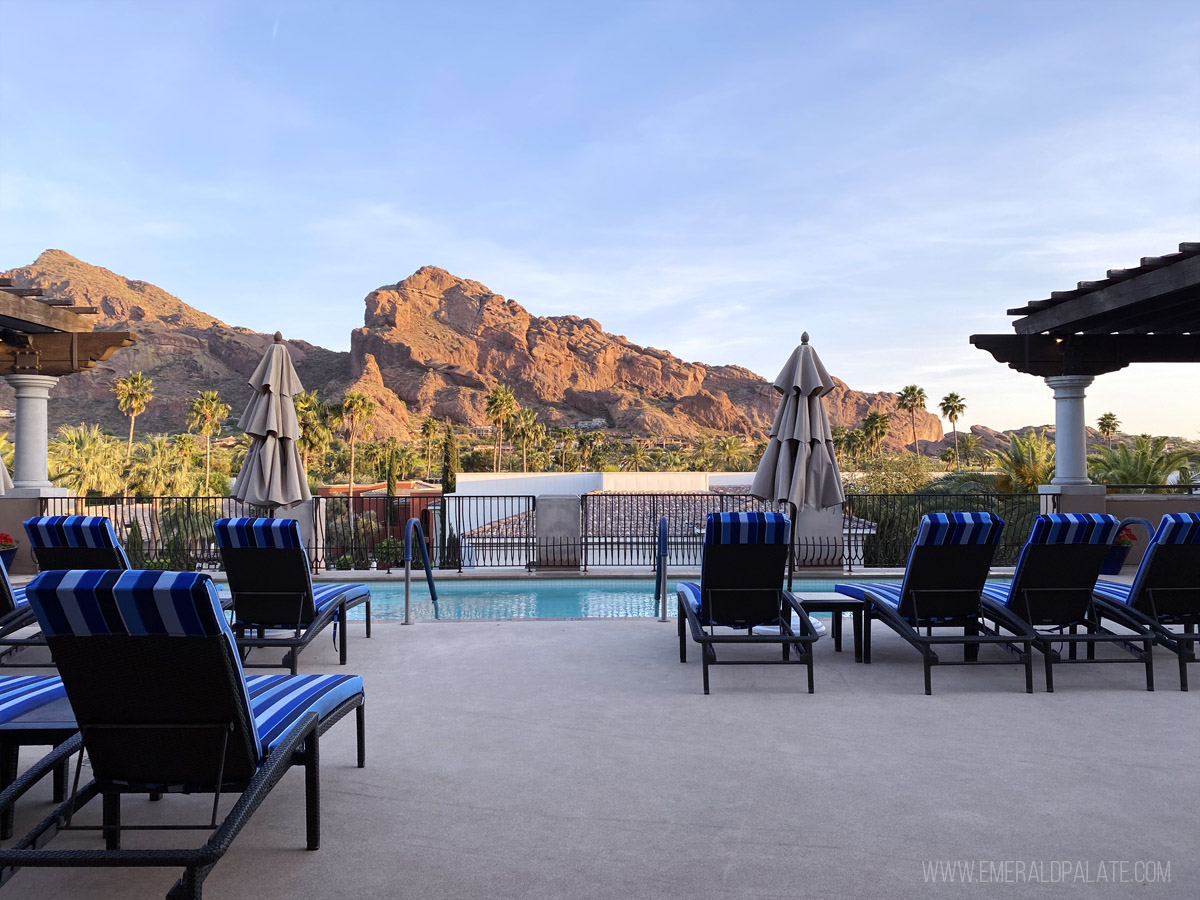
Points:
[[272, 474], [799, 466]]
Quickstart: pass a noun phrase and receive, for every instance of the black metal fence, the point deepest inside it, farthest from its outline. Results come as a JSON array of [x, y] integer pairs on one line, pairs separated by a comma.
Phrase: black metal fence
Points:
[[879, 528], [494, 531]]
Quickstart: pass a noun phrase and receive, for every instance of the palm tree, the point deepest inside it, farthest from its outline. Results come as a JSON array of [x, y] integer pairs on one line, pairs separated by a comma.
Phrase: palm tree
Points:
[[635, 458], [701, 455], [591, 445], [731, 453], [316, 431], [1108, 426], [429, 433], [874, 430], [953, 406], [524, 427], [134, 393], [501, 406], [969, 446], [569, 457], [1028, 463], [205, 415], [450, 465], [84, 459], [1150, 461], [910, 400], [853, 444], [355, 425]]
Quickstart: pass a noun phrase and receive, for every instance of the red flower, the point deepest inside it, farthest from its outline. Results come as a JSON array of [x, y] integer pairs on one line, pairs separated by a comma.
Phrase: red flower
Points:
[[6, 541], [1124, 539]]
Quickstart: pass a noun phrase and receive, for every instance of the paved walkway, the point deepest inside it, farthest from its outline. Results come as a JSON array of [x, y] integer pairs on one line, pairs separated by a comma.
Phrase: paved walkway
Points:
[[579, 759]]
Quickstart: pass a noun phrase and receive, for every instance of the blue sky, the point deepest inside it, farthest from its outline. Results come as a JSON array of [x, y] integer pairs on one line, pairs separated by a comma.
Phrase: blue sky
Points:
[[709, 178]]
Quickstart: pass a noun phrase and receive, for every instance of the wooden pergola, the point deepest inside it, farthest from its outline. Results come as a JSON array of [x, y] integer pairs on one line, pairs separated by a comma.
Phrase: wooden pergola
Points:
[[42, 339], [1148, 313]]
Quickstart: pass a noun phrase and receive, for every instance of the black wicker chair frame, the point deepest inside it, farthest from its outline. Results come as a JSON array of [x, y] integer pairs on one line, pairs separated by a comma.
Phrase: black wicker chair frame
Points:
[[13, 618], [1169, 595], [943, 585], [1054, 588], [270, 586], [177, 728], [742, 587]]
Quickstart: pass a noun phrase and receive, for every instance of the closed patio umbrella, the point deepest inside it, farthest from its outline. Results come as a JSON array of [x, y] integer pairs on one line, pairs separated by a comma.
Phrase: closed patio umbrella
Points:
[[799, 466], [272, 474]]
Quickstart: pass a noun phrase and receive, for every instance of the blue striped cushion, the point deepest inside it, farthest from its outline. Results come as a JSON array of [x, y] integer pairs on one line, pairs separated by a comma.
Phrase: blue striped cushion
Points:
[[1178, 528], [1074, 528], [74, 531], [21, 693], [325, 594], [941, 529], [1115, 590], [111, 601], [690, 592], [747, 528], [888, 593], [258, 533], [277, 701], [999, 590]]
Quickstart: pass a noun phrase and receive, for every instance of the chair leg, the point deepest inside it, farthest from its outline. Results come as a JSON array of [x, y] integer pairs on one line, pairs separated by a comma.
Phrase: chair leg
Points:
[[858, 635], [682, 639], [1028, 667], [1149, 665], [368, 605], [1182, 653], [312, 790], [1046, 654], [360, 716], [111, 818], [811, 686], [866, 636], [342, 639], [928, 664]]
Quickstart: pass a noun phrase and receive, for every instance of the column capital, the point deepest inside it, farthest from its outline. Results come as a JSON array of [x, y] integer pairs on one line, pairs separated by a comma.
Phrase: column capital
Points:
[[27, 381], [1069, 387]]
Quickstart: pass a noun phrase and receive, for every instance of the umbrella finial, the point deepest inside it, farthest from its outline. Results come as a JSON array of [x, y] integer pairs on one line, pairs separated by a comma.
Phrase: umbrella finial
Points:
[[804, 338], [279, 337]]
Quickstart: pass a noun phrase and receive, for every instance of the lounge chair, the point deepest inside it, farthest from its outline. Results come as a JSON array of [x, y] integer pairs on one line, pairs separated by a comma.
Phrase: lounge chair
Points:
[[153, 675], [1052, 587], [15, 615], [1165, 590], [741, 586], [23, 699], [267, 567], [942, 586], [75, 542]]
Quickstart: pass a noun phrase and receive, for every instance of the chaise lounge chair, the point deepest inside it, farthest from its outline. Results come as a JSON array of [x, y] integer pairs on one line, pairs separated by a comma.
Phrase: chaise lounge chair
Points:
[[267, 567], [153, 676], [942, 588], [23, 699], [15, 615], [75, 542], [1165, 591], [741, 587], [1052, 587]]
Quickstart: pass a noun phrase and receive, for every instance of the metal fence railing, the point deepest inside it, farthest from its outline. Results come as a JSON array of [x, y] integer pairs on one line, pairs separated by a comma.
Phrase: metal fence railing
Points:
[[876, 530], [879, 528], [621, 529]]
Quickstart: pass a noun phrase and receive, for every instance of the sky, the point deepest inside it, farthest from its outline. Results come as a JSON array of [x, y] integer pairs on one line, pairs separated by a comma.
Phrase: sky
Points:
[[708, 178]]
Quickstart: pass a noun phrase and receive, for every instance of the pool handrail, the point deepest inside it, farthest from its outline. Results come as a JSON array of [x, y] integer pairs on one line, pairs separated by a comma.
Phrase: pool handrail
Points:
[[660, 570], [408, 530]]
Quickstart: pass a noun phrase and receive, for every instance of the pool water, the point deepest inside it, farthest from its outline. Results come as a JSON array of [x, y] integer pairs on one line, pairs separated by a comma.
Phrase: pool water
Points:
[[534, 598]]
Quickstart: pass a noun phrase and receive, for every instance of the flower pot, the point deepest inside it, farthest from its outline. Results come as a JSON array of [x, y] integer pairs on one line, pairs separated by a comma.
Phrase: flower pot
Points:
[[7, 556], [1114, 560]]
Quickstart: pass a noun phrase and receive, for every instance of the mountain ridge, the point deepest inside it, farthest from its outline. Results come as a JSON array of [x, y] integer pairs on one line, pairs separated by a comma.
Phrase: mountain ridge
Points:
[[430, 344]]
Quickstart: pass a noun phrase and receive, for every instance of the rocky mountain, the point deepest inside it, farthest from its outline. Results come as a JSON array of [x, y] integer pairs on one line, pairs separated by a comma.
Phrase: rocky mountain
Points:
[[432, 344]]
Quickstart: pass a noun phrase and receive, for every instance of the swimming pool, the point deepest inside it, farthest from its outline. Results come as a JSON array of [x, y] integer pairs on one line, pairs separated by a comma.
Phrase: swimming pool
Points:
[[535, 598]]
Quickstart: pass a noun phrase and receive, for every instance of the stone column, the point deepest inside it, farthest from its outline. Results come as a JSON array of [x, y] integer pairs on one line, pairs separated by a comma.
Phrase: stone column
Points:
[[1070, 429], [30, 472]]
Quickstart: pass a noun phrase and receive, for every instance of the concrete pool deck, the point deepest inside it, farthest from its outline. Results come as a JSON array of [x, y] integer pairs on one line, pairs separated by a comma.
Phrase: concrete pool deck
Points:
[[548, 759]]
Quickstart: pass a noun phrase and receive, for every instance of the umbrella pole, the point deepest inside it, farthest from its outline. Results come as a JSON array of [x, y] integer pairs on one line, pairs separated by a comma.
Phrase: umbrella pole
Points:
[[792, 544]]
